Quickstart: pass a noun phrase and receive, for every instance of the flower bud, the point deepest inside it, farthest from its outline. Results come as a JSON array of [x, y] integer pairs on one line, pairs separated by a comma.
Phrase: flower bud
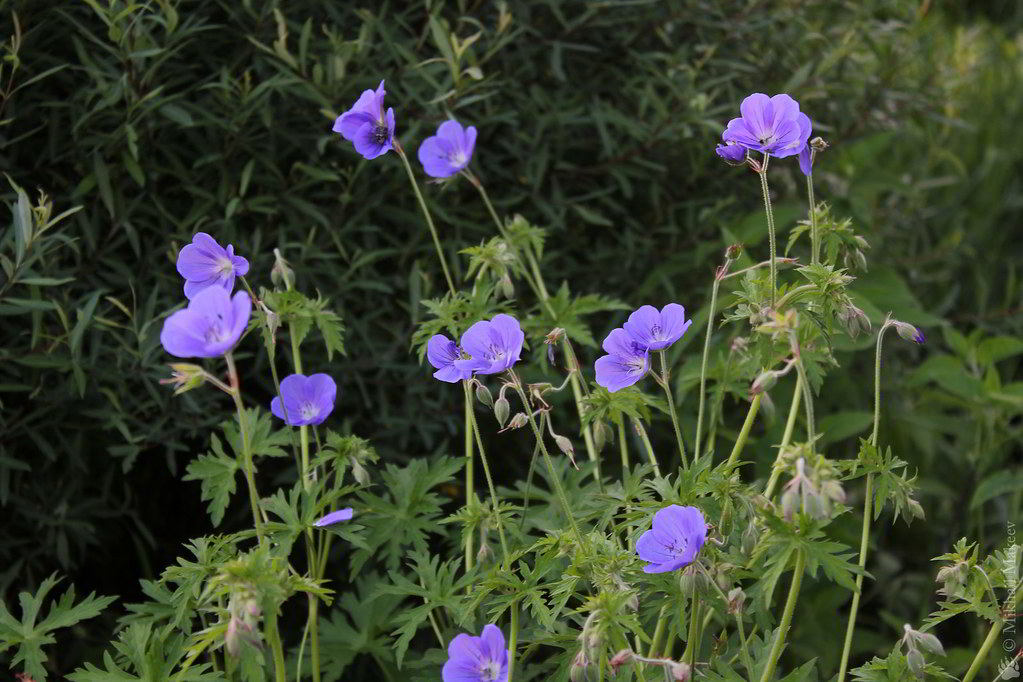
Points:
[[501, 409], [483, 395], [565, 445], [739, 344], [580, 664], [232, 639], [680, 672], [507, 287], [281, 274], [601, 434], [749, 538], [736, 599], [819, 144], [619, 659], [789, 503], [484, 554], [764, 382], [517, 422], [909, 332], [733, 252], [915, 662], [185, 377], [360, 473], [693, 581], [854, 320]]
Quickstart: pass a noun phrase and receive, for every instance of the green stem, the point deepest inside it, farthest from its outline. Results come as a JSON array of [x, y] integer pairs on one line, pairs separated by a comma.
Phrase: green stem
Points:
[[513, 639], [815, 238], [797, 396], [641, 432], [811, 434], [745, 647], [534, 278], [770, 228], [868, 500], [426, 214], [274, 638], [469, 459], [655, 643], [624, 447], [740, 443], [486, 472], [555, 478], [706, 353], [692, 638], [985, 648], [247, 464], [663, 381], [786, 616]]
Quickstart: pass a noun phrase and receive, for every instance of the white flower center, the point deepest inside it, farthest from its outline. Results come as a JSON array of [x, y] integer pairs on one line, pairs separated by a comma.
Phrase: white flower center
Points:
[[308, 411], [489, 671], [224, 266], [458, 158]]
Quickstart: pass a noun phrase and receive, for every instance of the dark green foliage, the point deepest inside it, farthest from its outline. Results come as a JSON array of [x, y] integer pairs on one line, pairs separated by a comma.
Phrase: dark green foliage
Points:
[[146, 122]]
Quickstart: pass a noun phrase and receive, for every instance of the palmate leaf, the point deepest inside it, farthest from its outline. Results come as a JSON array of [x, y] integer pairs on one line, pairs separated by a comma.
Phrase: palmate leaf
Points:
[[300, 313], [29, 636], [894, 668], [145, 656], [568, 313], [892, 484]]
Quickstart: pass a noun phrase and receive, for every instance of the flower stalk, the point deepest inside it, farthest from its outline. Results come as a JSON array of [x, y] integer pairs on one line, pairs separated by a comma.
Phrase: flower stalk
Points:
[[786, 616], [663, 381]]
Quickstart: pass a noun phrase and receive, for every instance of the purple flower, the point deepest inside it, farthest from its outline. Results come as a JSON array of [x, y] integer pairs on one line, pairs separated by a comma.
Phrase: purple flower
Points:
[[626, 362], [449, 151], [493, 346], [366, 125], [477, 659], [205, 263], [677, 535], [210, 326], [733, 154], [305, 399], [335, 516], [442, 353], [773, 125], [657, 330]]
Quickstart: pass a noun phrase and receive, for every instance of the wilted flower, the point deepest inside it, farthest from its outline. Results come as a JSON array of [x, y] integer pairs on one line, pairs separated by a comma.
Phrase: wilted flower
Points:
[[205, 263], [335, 516], [626, 362], [675, 539], [477, 659], [185, 377], [442, 353], [305, 400], [210, 326], [366, 125], [733, 154], [656, 330], [493, 345], [449, 151], [772, 125]]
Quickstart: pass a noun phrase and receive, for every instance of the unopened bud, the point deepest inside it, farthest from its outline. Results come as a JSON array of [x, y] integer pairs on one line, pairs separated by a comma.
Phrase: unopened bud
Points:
[[789, 503], [733, 252], [854, 320], [739, 344], [580, 663], [693, 581], [507, 287], [764, 382], [485, 554], [184, 377], [909, 332], [565, 445], [819, 144], [360, 473], [483, 395], [501, 409], [232, 639], [281, 274], [601, 434], [736, 599], [680, 672], [915, 662], [517, 422]]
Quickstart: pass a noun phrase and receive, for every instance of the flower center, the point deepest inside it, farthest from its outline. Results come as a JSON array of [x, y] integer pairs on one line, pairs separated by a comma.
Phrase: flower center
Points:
[[678, 547], [308, 411], [495, 354], [225, 266], [458, 158], [216, 332], [489, 671], [380, 134], [770, 139]]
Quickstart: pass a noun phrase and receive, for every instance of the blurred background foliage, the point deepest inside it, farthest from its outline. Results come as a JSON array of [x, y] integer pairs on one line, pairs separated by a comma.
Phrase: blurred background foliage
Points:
[[152, 120]]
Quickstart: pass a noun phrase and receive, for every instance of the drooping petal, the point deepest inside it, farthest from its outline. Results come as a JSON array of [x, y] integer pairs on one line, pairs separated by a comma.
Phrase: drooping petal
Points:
[[614, 373], [435, 154], [183, 335], [193, 287], [335, 516], [198, 263], [732, 153], [241, 307], [805, 161]]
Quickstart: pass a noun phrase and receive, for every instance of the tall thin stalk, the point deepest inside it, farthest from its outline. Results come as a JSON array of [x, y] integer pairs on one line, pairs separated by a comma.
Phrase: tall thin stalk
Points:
[[786, 616], [469, 484], [797, 397], [718, 275], [426, 214], [740, 442], [486, 472], [665, 384], [247, 465], [770, 226]]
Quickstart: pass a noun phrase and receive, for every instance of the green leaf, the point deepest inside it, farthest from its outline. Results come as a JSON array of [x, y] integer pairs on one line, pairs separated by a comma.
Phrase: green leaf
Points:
[[216, 472]]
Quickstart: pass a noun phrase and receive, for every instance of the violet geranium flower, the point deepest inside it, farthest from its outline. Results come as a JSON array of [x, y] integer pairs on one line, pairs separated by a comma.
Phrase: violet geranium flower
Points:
[[210, 326], [442, 353], [772, 125], [733, 154], [656, 330], [449, 151], [626, 362], [205, 263], [366, 125], [493, 346], [477, 659], [335, 516], [304, 399], [675, 539]]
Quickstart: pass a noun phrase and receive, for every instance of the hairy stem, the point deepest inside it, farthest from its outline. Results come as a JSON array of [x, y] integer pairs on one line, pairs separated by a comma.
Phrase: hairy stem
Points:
[[641, 432], [247, 464], [486, 472], [868, 499], [513, 639], [706, 353], [426, 214], [786, 616], [815, 238], [469, 458], [665, 384], [797, 396], [274, 638], [770, 228], [655, 643], [740, 443]]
